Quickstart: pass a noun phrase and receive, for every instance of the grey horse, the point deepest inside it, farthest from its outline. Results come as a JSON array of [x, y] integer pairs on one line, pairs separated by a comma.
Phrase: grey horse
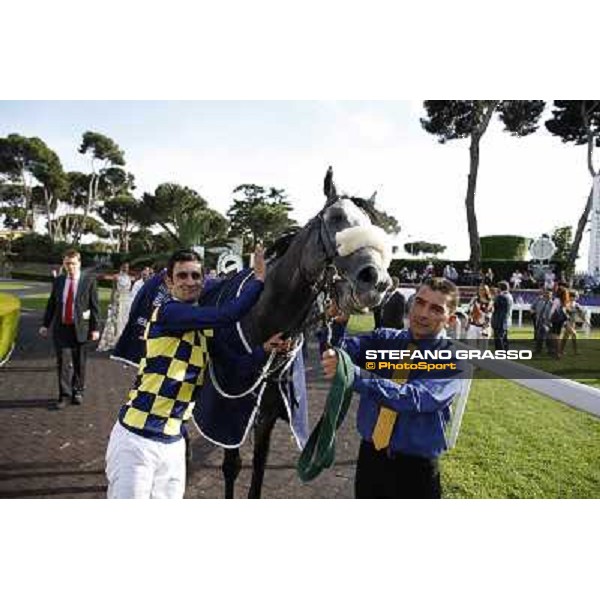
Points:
[[339, 252]]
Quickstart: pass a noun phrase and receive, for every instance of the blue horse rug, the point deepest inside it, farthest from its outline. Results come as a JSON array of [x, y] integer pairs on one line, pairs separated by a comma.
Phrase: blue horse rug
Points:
[[227, 421], [222, 420]]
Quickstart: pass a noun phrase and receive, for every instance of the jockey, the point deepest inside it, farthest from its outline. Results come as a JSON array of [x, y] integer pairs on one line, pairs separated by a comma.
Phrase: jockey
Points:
[[145, 457]]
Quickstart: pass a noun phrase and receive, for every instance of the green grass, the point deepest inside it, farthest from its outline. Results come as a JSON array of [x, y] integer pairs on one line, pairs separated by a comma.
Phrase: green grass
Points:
[[7, 285], [361, 323], [515, 443], [518, 444], [38, 301], [526, 333]]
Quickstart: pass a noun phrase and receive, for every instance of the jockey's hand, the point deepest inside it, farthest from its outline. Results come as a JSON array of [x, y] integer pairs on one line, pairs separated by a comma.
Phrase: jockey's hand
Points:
[[329, 361], [260, 268], [95, 336], [334, 312], [277, 344]]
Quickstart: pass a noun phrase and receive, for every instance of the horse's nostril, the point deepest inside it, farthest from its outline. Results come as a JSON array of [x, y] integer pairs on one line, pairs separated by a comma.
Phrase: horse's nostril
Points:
[[368, 275]]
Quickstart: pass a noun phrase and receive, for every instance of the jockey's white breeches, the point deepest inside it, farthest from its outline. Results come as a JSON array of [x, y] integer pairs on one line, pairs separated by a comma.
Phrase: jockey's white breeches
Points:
[[138, 467]]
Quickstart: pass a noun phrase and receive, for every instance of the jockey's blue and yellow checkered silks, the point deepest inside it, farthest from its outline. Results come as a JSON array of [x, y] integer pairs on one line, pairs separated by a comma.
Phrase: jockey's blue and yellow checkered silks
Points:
[[169, 377]]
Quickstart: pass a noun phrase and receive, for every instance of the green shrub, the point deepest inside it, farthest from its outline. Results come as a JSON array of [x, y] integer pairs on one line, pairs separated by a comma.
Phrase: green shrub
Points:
[[505, 247]]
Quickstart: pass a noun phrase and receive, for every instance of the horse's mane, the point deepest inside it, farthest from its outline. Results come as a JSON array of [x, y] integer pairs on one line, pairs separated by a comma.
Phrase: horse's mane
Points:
[[367, 206], [280, 246]]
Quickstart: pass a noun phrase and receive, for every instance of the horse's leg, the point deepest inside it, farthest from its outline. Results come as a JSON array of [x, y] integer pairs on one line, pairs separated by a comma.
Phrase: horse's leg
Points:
[[262, 439], [232, 465]]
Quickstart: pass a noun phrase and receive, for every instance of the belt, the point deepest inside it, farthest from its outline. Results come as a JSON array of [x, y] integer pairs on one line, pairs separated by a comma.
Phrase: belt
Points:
[[396, 454]]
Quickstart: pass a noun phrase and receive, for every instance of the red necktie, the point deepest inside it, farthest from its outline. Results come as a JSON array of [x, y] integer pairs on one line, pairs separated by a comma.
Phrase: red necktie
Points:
[[69, 303]]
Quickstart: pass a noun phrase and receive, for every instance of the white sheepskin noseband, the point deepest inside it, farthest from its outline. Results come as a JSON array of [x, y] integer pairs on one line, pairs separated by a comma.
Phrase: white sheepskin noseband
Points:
[[365, 236]]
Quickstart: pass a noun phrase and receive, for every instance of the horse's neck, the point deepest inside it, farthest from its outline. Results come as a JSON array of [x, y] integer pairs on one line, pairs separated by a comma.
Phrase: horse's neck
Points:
[[287, 295]]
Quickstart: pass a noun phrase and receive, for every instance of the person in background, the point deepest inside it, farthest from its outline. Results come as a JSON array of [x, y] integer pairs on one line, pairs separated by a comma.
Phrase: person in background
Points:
[[576, 317], [390, 313], [118, 309], [453, 274], [516, 279], [123, 296], [447, 272], [540, 317], [558, 318], [502, 315], [480, 315], [527, 281], [145, 274], [488, 278], [73, 313], [429, 270]]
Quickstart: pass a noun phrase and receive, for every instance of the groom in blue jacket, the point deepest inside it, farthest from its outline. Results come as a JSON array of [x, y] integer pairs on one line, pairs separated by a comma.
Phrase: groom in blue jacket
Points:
[[402, 420]]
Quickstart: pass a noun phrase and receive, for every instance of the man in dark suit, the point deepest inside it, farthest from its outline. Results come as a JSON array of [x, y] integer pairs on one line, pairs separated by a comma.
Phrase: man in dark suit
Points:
[[502, 315], [390, 313], [73, 311]]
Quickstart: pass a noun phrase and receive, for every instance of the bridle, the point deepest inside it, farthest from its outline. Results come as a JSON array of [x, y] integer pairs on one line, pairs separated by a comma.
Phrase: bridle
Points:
[[324, 284]]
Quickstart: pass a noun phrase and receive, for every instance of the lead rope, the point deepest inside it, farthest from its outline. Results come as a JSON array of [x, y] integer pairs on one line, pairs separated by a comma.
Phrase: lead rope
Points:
[[319, 452]]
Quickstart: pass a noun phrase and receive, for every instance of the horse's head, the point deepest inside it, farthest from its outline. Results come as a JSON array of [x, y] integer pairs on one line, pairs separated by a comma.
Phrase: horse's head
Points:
[[356, 251]]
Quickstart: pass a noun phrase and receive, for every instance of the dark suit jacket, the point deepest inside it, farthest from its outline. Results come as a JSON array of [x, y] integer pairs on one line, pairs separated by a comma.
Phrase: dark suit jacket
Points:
[[390, 313], [86, 301], [500, 313]]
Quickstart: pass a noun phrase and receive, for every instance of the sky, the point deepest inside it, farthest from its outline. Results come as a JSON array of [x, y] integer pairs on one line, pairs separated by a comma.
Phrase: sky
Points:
[[526, 186]]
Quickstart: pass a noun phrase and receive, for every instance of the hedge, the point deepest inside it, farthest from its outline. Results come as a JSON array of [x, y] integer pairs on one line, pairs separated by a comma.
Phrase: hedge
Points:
[[504, 247]]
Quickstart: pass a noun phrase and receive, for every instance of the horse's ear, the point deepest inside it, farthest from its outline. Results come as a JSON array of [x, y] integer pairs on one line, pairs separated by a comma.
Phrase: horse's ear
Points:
[[371, 200], [329, 187]]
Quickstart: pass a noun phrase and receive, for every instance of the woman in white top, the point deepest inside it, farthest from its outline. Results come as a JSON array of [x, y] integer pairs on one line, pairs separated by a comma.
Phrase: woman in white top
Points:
[[480, 314]]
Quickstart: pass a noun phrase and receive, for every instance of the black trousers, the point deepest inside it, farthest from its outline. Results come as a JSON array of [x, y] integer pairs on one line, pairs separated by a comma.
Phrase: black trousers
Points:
[[379, 475], [71, 358], [501, 338]]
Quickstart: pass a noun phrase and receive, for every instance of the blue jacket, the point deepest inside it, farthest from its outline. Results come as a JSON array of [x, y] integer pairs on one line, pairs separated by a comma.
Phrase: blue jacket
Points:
[[422, 403]]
